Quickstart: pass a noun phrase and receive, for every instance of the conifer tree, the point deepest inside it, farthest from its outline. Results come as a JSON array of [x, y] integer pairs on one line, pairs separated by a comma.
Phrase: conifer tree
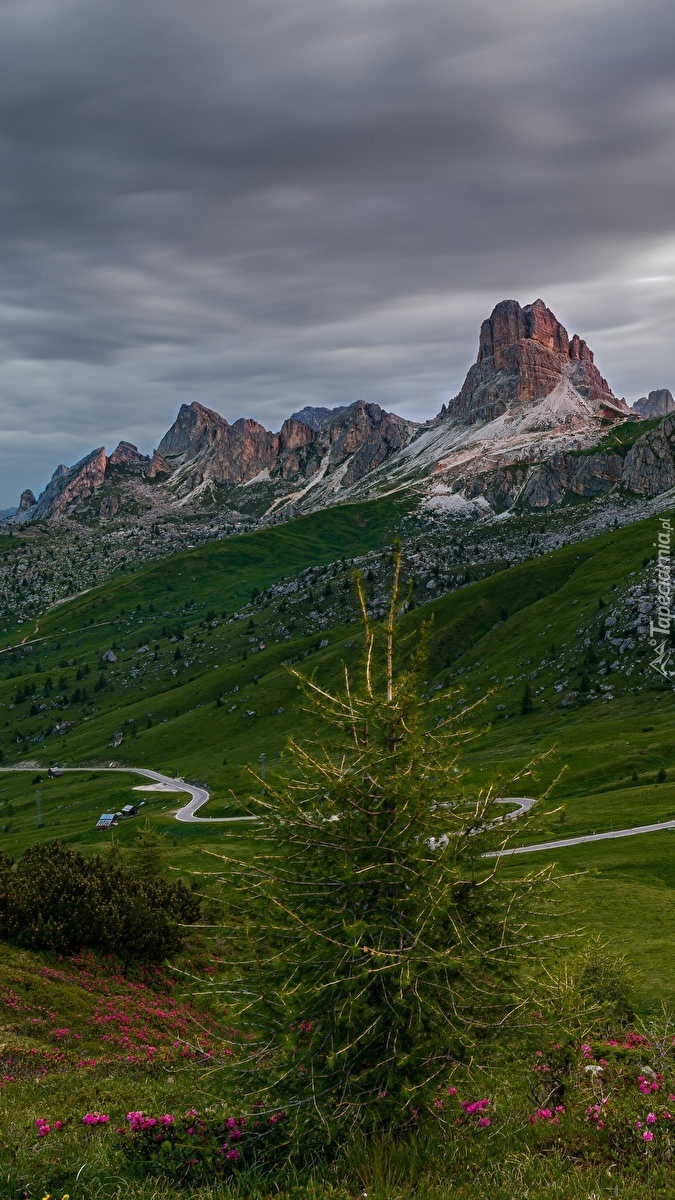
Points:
[[148, 853], [369, 937]]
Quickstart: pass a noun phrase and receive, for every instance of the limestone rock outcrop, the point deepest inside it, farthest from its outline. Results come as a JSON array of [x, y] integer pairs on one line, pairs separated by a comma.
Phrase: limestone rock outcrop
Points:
[[658, 403], [649, 468], [27, 501], [127, 455], [523, 354], [110, 506], [215, 451], [68, 485], [565, 475], [158, 467], [204, 448], [363, 436]]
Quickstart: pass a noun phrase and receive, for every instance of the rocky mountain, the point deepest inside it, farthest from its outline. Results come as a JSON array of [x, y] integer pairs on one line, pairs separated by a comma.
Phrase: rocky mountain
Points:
[[533, 393], [657, 404], [522, 430], [524, 354], [203, 457], [205, 452], [316, 418]]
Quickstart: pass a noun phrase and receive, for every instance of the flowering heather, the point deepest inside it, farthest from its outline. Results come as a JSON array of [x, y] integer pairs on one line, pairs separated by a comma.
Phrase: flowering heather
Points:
[[135, 1021]]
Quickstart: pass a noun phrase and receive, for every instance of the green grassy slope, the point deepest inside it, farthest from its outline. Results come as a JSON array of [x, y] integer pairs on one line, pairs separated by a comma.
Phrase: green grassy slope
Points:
[[204, 699]]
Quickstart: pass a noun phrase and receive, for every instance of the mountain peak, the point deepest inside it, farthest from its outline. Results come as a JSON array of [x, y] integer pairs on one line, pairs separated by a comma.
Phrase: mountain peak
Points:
[[523, 354], [658, 403]]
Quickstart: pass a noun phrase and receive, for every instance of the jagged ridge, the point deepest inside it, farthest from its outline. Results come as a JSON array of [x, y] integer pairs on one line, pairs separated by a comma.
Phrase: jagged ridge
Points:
[[531, 401]]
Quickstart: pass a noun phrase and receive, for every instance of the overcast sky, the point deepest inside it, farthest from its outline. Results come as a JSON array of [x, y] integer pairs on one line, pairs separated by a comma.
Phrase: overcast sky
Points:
[[261, 204]]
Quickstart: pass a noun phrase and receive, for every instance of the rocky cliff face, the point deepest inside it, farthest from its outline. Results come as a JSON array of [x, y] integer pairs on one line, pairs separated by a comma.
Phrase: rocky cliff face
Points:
[[127, 455], [657, 404], [158, 468], [317, 418], [649, 467], [646, 469], [523, 354], [565, 475], [66, 486], [211, 450], [204, 448], [363, 437], [27, 501]]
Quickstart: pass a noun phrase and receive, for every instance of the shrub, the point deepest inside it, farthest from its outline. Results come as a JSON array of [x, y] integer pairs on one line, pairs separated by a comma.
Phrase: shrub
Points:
[[199, 1146], [56, 899]]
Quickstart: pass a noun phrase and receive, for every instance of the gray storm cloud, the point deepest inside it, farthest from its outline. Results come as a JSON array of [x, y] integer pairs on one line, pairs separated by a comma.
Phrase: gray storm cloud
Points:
[[260, 205]]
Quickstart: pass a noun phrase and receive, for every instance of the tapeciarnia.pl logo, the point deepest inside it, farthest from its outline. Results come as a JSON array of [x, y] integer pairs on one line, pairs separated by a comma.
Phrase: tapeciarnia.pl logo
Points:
[[660, 624]]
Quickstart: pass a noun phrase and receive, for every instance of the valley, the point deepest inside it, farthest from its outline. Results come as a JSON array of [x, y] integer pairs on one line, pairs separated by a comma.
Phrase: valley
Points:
[[158, 614], [182, 666]]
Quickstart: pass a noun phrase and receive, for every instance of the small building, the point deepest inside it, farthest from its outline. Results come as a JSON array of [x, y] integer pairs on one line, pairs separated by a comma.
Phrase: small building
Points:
[[129, 810], [106, 821], [54, 773]]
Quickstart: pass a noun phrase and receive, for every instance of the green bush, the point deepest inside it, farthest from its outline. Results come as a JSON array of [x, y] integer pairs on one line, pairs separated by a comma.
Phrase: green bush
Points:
[[54, 898]]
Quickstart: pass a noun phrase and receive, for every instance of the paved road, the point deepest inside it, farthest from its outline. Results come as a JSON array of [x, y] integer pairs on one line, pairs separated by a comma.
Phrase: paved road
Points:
[[580, 841], [187, 813], [199, 796], [525, 803]]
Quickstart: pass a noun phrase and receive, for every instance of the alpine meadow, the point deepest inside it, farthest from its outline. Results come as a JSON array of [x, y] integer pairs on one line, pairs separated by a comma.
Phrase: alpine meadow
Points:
[[337, 633]]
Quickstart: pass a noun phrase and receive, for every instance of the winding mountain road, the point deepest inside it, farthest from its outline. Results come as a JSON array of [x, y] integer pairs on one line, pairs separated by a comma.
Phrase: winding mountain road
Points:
[[187, 813], [200, 795]]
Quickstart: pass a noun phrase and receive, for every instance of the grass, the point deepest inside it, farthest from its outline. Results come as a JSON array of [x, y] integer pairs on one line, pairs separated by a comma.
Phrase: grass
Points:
[[212, 719], [229, 701], [620, 439]]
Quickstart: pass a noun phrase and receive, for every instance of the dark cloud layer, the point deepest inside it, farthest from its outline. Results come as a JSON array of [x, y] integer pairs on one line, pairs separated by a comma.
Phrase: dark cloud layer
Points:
[[262, 205]]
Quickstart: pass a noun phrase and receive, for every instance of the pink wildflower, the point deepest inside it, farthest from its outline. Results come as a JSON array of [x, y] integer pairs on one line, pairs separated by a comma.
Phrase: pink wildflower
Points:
[[647, 1085], [232, 1155], [475, 1106], [452, 1091], [648, 1136], [651, 1118], [484, 1121], [586, 1050]]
